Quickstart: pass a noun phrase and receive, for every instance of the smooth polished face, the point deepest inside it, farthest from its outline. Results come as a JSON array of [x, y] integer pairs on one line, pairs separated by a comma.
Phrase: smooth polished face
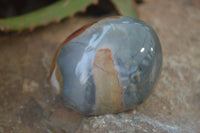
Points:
[[108, 66]]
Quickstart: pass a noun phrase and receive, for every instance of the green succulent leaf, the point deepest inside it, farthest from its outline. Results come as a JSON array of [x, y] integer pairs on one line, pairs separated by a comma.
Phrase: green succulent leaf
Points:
[[126, 7], [43, 16]]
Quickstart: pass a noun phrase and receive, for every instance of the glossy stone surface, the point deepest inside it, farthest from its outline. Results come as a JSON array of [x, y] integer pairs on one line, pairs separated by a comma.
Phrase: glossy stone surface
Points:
[[108, 66]]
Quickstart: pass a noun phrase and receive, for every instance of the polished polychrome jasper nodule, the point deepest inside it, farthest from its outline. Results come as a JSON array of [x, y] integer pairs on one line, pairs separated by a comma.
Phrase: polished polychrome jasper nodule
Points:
[[108, 66]]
